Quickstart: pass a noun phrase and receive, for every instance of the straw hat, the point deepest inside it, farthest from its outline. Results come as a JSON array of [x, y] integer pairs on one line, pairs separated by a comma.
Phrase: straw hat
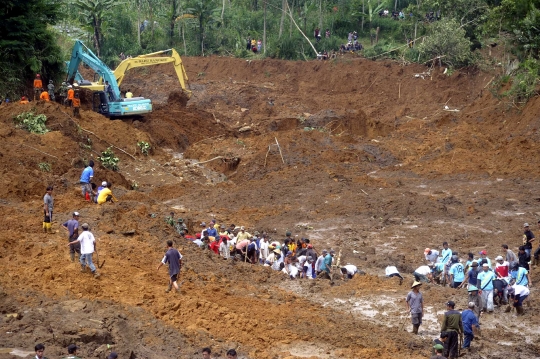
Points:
[[415, 284]]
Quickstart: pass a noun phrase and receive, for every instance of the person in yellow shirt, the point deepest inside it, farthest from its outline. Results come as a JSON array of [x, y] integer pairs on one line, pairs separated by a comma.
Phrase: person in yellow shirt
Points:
[[44, 96], [106, 195], [242, 235], [129, 94]]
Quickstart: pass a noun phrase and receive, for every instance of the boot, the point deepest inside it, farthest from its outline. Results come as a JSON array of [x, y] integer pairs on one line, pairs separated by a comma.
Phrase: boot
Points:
[[48, 226], [44, 227], [415, 329], [96, 274], [83, 268], [72, 256], [519, 310]]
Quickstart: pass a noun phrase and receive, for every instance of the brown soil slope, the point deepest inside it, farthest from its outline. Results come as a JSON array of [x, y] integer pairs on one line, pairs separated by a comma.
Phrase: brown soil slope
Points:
[[370, 162]]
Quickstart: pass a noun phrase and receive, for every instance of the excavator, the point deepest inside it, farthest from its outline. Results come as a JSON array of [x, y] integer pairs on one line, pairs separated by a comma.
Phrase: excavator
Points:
[[103, 73]]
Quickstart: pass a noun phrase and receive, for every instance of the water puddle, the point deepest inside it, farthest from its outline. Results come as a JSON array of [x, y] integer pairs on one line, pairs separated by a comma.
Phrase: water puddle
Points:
[[17, 352]]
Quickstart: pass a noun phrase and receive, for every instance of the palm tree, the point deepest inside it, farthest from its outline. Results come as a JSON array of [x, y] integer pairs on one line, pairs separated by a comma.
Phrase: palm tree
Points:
[[94, 12], [206, 12]]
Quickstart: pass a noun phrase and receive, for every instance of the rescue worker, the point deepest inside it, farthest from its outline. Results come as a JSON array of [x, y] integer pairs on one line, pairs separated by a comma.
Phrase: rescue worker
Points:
[[38, 85], [63, 93], [70, 95], [129, 94], [44, 96], [24, 100], [453, 325], [50, 90], [76, 102]]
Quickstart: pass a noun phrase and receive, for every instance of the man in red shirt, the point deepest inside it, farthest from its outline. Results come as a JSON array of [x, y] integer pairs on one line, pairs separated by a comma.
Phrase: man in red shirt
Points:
[[501, 268]]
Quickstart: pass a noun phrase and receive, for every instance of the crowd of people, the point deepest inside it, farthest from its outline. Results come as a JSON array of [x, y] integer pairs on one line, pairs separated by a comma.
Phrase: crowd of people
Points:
[[504, 282], [72, 353], [400, 15]]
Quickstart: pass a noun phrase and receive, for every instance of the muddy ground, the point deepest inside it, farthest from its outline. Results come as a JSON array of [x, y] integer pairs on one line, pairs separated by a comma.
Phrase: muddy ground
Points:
[[372, 164]]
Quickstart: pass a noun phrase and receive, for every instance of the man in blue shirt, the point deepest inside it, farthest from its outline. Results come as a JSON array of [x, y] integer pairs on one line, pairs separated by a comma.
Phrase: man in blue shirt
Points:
[[72, 226], [469, 321], [446, 254], [86, 179], [327, 263], [483, 256], [485, 285], [174, 259], [457, 273], [521, 275]]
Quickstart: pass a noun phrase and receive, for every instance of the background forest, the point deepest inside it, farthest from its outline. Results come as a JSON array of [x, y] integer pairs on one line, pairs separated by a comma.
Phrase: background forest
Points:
[[37, 35]]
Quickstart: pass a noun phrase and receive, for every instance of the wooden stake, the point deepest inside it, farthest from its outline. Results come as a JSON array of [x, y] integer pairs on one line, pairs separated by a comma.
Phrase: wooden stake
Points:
[[399, 90], [279, 148]]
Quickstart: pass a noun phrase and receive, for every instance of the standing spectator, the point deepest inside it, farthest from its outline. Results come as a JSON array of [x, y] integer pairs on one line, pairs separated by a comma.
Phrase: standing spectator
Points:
[[224, 248], [70, 95], [48, 205], [50, 90], [38, 84], [469, 322], [40, 349], [76, 102], [510, 256], [415, 306], [528, 238], [72, 226], [453, 325], [264, 248], [317, 34], [523, 258], [88, 246], [457, 273], [174, 259], [327, 33], [85, 180], [485, 284], [248, 44], [259, 45]]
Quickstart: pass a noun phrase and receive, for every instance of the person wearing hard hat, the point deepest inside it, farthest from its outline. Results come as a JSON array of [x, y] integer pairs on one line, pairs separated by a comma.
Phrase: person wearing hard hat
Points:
[[70, 95], [38, 85], [415, 306]]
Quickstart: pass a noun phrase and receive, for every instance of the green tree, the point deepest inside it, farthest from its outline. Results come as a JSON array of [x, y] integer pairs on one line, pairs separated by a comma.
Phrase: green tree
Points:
[[205, 11], [27, 46], [93, 13], [447, 40]]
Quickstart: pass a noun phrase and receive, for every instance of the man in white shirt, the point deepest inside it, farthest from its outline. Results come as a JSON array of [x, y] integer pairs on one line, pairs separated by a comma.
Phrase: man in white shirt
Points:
[[88, 246], [431, 255], [349, 270], [263, 243], [391, 271], [423, 274]]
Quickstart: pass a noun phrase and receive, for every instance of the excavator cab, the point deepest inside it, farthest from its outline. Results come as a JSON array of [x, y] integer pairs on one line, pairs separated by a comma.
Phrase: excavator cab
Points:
[[100, 103]]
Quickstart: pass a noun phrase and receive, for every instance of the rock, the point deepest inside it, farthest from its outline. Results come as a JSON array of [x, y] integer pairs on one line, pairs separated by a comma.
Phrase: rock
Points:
[[245, 129]]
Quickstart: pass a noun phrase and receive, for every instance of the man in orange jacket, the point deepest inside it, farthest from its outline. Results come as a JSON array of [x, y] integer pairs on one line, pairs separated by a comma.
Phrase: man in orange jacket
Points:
[[38, 85], [70, 95], [76, 105], [44, 96]]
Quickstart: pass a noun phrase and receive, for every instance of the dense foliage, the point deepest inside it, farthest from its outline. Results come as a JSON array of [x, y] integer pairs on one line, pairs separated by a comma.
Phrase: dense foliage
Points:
[[419, 31]]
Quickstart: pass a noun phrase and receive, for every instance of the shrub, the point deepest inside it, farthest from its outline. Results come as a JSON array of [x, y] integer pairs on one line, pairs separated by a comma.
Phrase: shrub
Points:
[[44, 167], [31, 122], [109, 160], [447, 40], [144, 147]]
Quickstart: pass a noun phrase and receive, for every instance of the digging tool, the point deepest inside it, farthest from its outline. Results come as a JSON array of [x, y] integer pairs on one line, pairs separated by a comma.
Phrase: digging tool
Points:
[[403, 323], [460, 343], [99, 265]]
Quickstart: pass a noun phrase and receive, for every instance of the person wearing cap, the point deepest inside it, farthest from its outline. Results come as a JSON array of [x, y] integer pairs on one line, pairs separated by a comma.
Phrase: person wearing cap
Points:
[[174, 259], [86, 178], [242, 235], [112, 355], [326, 266], [88, 246], [472, 274], [431, 255], [319, 262], [275, 259], [423, 274], [456, 272], [48, 206], [528, 238], [443, 337], [438, 352], [484, 282], [70, 96], [518, 294], [484, 257], [99, 189], [501, 267], [106, 195], [415, 306], [476, 299], [470, 322], [72, 352], [72, 227], [224, 248], [453, 325]]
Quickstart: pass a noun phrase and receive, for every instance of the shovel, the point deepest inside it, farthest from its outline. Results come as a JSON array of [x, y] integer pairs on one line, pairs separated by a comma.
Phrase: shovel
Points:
[[99, 265]]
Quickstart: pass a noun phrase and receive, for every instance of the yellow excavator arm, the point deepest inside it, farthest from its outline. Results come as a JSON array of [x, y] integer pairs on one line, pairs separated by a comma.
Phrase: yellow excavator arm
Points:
[[147, 60]]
